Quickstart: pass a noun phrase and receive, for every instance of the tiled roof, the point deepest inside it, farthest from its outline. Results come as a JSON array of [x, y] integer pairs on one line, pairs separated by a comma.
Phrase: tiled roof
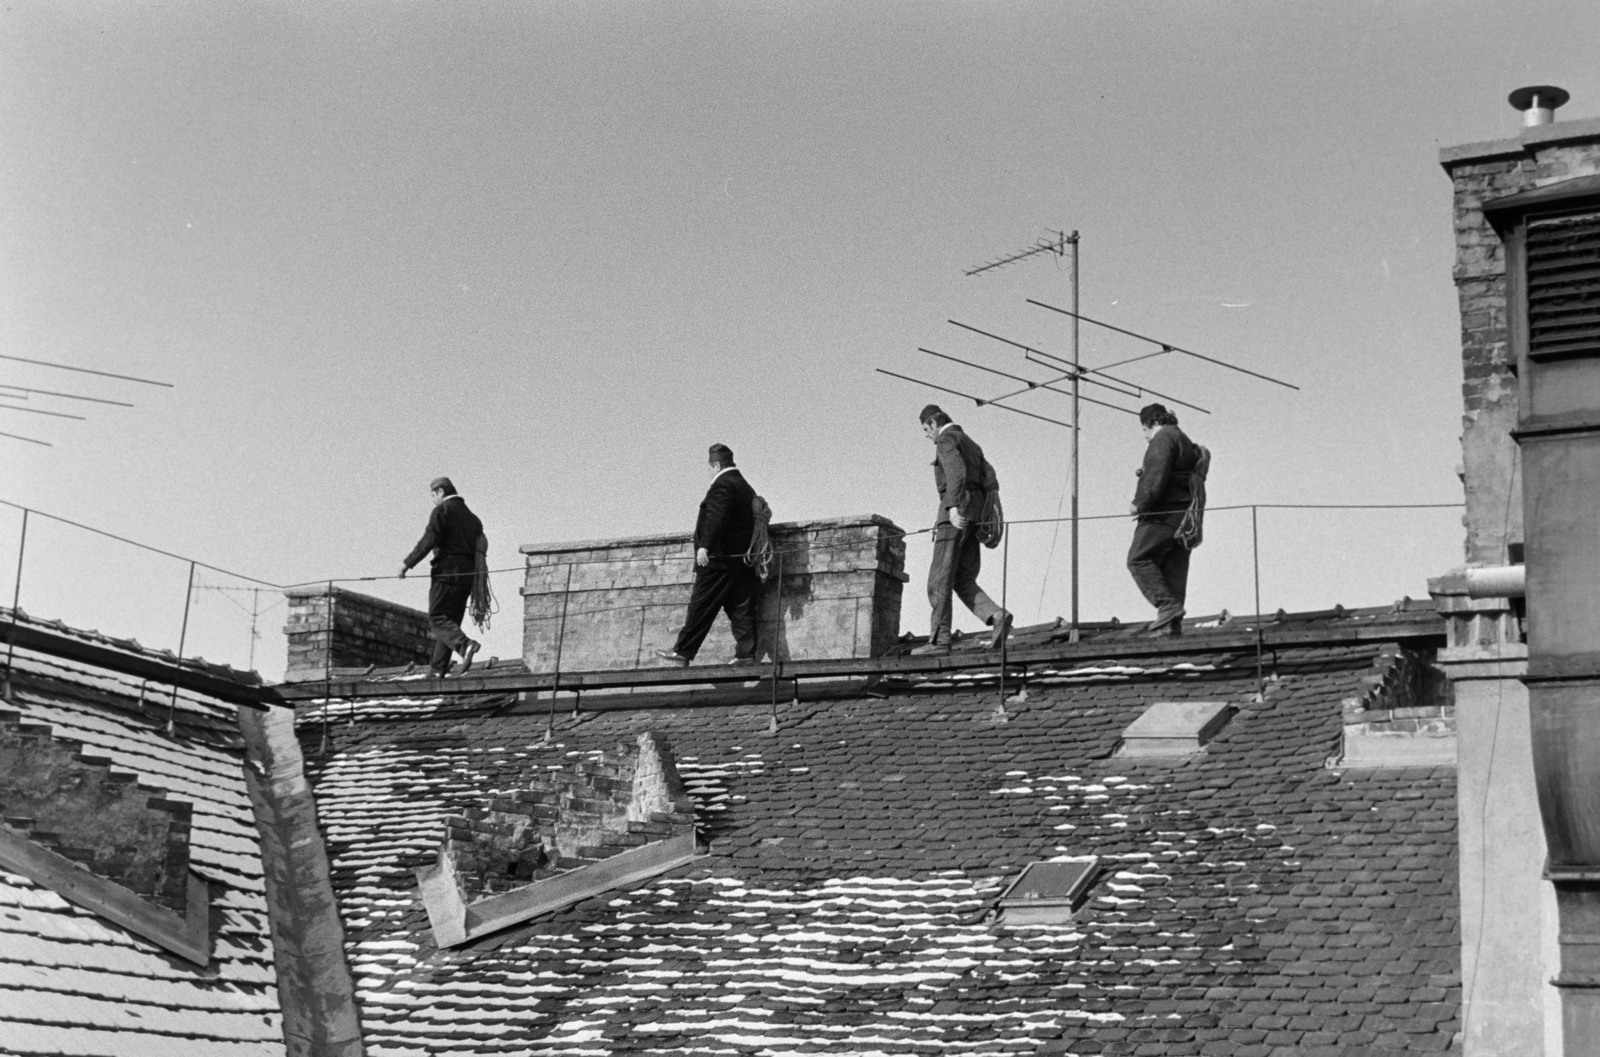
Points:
[[128, 648], [73, 983], [1256, 901]]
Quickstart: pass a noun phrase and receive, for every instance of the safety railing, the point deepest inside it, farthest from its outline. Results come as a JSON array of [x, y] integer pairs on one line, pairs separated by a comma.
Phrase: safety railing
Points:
[[1255, 558]]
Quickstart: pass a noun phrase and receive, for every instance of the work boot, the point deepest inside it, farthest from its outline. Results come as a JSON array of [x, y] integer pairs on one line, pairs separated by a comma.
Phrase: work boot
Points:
[[1168, 621], [1001, 622], [932, 649], [673, 657], [466, 656], [740, 662]]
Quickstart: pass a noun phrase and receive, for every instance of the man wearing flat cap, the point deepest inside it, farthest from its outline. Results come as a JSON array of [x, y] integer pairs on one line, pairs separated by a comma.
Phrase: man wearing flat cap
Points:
[[723, 579], [958, 474], [452, 535]]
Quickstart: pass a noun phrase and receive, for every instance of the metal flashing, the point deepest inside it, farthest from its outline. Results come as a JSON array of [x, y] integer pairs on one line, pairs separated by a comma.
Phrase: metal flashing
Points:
[[455, 921], [189, 937]]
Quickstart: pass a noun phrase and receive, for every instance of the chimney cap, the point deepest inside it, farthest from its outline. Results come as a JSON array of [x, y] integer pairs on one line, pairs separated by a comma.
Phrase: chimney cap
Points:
[[1545, 96]]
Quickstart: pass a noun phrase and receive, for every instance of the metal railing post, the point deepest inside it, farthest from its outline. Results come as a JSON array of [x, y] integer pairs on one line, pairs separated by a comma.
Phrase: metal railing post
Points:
[[1255, 560], [1005, 577], [561, 638], [327, 672], [177, 666], [16, 600], [1077, 375], [777, 628]]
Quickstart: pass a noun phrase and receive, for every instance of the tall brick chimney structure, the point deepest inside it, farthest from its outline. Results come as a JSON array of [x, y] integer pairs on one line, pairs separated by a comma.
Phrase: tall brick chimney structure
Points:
[[1527, 222], [609, 604]]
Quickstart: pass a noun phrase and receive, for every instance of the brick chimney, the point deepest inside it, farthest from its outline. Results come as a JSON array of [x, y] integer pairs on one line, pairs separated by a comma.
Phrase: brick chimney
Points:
[[335, 628], [608, 604]]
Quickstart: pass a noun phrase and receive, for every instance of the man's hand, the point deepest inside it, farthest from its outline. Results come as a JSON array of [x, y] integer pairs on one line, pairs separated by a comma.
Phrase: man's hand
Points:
[[957, 520], [701, 558], [1133, 508], [403, 571]]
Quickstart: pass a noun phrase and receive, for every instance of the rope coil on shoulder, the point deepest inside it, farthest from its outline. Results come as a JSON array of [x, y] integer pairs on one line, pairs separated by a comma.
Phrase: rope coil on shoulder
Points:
[[992, 518], [1191, 530], [759, 556], [483, 604]]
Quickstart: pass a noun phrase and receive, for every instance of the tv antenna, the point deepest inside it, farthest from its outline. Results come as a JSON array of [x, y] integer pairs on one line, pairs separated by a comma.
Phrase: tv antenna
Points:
[[1071, 370], [254, 612], [23, 394]]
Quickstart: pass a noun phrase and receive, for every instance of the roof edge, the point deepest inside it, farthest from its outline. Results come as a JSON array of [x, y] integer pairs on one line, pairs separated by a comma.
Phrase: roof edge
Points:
[[160, 669], [1244, 639]]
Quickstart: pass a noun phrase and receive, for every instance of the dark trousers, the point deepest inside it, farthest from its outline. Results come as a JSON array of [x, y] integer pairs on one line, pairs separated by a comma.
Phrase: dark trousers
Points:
[[731, 590], [447, 603], [1159, 564], [957, 559]]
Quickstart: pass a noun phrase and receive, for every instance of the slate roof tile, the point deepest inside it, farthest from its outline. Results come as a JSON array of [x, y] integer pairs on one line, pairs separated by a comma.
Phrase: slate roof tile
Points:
[[856, 854], [73, 983]]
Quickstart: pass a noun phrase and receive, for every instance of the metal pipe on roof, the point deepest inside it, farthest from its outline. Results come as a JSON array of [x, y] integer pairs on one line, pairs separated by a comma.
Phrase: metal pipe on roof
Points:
[[1498, 581]]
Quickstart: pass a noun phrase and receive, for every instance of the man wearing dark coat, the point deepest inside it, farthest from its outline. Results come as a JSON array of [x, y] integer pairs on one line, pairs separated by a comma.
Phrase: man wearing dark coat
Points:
[[1158, 560], [723, 579], [452, 535], [958, 475]]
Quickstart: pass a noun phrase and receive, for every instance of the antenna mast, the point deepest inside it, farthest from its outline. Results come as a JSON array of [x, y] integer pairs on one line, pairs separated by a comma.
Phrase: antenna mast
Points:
[[1059, 246]]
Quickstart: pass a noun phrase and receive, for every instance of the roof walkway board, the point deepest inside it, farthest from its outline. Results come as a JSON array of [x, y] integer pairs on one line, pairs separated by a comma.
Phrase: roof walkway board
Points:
[[1048, 645], [73, 983], [1252, 900]]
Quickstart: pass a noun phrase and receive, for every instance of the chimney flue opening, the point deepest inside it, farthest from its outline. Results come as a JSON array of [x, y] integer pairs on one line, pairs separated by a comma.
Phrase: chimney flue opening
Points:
[[1538, 103]]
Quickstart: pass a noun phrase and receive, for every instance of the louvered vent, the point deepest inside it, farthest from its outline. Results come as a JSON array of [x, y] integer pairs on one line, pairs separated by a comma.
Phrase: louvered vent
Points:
[[1564, 286]]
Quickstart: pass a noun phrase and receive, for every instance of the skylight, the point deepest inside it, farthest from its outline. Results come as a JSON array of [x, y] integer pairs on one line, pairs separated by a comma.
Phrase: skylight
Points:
[[1046, 893]]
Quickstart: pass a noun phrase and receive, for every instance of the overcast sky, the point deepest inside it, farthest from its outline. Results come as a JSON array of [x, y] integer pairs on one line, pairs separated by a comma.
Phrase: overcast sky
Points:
[[555, 250]]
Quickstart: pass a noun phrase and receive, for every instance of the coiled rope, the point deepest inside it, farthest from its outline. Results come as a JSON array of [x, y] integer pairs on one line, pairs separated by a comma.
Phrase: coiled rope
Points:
[[759, 556]]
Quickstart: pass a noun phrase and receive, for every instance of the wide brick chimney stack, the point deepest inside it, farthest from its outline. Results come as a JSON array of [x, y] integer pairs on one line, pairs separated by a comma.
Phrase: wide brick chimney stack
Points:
[[610, 604]]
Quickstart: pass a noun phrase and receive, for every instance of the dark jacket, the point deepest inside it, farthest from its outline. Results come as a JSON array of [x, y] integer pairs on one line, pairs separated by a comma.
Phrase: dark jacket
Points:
[[958, 474], [452, 534], [726, 522], [1163, 492]]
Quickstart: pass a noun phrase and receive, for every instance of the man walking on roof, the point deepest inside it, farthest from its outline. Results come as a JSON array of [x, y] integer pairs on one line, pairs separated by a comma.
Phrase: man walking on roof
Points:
[[723, 579], [958, 474], [1172, 475], [452, 535]]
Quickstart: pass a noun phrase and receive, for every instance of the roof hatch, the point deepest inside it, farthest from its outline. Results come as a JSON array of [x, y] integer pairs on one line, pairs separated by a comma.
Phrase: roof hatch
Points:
[[1175, 728]]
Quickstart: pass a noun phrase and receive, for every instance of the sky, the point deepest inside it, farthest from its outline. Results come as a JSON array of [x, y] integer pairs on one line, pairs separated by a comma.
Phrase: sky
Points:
[[554, 250]]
